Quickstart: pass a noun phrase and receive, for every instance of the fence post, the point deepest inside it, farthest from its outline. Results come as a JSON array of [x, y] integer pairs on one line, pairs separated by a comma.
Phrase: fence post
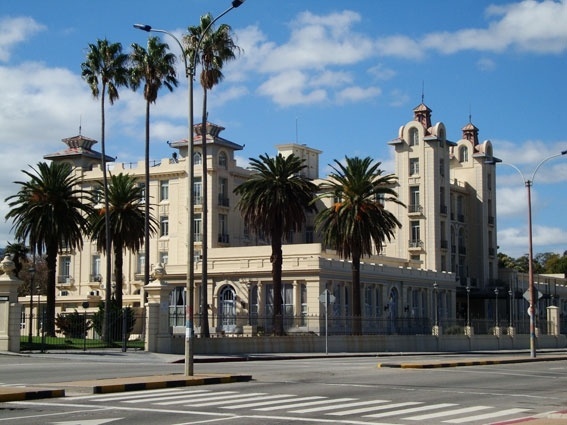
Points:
[[124, 330]]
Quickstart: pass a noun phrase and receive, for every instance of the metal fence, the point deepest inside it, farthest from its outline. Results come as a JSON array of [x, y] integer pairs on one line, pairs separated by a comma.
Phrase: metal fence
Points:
[[83, 331], [342, 325]]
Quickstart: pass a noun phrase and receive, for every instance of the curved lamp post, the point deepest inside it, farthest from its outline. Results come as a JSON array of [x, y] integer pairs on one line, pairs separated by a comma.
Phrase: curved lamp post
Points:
[[189, 63], [528, 184]]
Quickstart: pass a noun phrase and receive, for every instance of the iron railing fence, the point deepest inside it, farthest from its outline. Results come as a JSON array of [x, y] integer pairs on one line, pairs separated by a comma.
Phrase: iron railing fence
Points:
[[342, 325], [83, 330]]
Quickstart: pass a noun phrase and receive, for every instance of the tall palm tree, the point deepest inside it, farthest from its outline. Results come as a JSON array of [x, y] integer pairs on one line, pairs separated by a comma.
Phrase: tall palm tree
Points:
[[19, 252], [154, 67], [105, 70], [215, 48], [127, 223], [357, 221], [274, 202], [50, 210]]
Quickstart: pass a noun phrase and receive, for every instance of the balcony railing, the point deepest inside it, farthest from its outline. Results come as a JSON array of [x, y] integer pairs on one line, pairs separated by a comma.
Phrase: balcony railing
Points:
[[415, 209], [415, 244], [223, 238]]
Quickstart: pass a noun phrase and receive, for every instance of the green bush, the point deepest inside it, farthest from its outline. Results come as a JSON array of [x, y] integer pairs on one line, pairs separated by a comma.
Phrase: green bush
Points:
[[73, 325], [116, 320]]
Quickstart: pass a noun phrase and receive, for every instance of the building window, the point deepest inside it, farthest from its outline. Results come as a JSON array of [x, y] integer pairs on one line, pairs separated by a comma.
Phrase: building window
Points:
[[414, 166], [197, 191], [163, 257], [223, 192], [223, 228], [415, 233], [442, 167], [95, 268], [414, 206], [142, 187], [309, 234], [463, 154], [197, 158], [197, 228], [413, 137], [164, 225], [140, 265], [164, 190], [223, 161], [64, 269]]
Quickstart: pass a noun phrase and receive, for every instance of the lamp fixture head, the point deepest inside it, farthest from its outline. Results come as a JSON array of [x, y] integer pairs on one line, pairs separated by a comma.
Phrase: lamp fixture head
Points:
[[236, 3], [143, 27]]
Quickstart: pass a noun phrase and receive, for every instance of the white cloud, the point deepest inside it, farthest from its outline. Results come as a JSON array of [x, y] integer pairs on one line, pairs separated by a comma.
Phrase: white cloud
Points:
[[531, 26], [290, 88], [516, 239], [357, 94], [14, 31]]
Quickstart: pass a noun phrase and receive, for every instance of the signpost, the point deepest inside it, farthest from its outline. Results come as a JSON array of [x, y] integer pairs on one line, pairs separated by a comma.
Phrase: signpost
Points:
[[326, 298]]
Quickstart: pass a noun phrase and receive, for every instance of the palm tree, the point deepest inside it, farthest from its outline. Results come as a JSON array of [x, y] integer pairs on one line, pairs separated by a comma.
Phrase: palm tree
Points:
[[215, 47], [105, 70], [19, 253], [357, 220], [127, 223], [50, 210], [274, 201], [155, 68]]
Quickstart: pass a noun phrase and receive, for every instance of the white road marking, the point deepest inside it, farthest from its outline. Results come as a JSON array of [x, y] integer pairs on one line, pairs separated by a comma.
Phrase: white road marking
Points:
[[453, 412], [373, 408], [410, 410], [486, 416], [307, 403]]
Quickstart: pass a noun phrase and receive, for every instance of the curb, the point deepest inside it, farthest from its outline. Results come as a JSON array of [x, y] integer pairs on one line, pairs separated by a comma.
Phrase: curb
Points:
[[114, 385], [24, 393], [457, 363]]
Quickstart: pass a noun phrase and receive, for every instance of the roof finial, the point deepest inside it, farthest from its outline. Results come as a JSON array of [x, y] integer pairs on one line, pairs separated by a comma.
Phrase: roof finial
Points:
[[422, 90], [80, 124], [470, 114]]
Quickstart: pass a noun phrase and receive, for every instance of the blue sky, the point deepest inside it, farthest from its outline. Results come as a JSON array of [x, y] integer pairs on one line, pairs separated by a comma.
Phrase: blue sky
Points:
[[339, 76]]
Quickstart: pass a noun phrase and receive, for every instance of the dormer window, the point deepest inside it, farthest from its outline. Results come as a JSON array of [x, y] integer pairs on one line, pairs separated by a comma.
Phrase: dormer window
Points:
[[223, 160], [464, 154], [197, 158], [413, 137]]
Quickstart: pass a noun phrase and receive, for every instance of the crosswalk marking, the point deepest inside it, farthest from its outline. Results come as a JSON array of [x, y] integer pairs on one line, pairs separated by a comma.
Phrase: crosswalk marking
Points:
[[410, 410], [453, 412], [131, 395], [238, 398], [486, 416], [373, 408], [265, 403], [307, 403], [339, 406], [447, 413], [196, 398]]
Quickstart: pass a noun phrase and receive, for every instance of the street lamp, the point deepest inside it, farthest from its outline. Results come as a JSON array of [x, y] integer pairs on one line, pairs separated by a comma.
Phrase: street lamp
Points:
[[189, 62], [31, 271], [528, 184], [435, 289], [496, 307], [468, 288]]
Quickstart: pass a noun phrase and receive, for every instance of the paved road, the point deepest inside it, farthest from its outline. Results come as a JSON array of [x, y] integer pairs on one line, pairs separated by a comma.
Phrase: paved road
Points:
[[307, 391]]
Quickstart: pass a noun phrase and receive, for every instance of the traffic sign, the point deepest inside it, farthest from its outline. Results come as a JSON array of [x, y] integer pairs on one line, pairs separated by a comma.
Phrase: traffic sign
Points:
[[326, 297], [527, 295]]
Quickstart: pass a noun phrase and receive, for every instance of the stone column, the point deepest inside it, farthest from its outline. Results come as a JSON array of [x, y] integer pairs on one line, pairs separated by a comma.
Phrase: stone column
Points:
[[10, 310], [553, 320], [158, 334]]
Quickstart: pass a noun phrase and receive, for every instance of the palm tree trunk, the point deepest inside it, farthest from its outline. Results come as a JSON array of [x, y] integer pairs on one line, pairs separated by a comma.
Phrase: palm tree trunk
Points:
[[147, 199], [49, 319], [356, 312], [107, 241], [118, 267], [205, 332], [277, 261]]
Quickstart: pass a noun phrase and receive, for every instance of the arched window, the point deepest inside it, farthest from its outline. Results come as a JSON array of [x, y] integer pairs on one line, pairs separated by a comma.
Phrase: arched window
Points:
[[197, 158], [223, 161], [413, 137], [464, 154], [227, 308]]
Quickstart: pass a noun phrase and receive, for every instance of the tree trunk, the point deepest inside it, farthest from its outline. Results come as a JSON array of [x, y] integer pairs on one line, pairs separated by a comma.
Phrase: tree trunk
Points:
[[277, 261], [147, 199], [118, 268], [356, 307], [48, 321]]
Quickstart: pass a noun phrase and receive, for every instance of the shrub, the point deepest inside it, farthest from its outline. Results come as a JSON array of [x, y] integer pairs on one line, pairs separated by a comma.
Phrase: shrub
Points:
[[73, 325]]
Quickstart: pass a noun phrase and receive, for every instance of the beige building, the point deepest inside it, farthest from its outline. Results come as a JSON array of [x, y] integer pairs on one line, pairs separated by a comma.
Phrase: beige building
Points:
[[447, 241]]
